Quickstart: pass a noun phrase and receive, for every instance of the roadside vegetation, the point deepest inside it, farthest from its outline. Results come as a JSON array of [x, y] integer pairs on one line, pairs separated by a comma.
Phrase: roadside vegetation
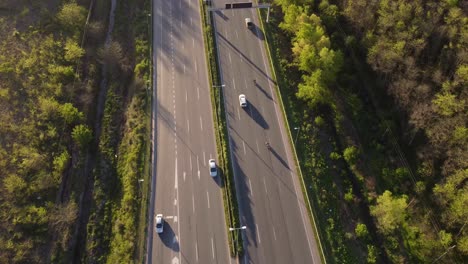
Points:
[[58, 168], [116, 228], [378, 91], [44, 131], [231, 209]]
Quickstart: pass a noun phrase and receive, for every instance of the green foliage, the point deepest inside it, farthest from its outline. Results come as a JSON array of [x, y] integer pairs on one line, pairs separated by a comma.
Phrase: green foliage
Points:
[[60, 163], [349, 196], [73, 51], [371, 254], [82, 135], [70, 114], [72, 16], [319, 121], [335, 156], [361, 231], [14, 185], [389, 211], [351, 155], [453, 195], [447, 104]]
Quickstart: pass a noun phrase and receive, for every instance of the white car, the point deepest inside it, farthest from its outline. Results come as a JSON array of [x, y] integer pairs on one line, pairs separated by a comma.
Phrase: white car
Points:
[[248, 22], [213, 168], [159, 223], [242, 100]]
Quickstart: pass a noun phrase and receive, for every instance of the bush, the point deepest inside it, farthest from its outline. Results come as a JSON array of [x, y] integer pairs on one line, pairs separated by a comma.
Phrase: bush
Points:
[[351, 154], [361, 231], [82, 135]]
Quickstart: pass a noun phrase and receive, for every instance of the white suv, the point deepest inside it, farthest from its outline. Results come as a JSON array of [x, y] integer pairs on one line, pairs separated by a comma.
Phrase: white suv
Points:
[[159, 223], [242, 100], [213, 168]]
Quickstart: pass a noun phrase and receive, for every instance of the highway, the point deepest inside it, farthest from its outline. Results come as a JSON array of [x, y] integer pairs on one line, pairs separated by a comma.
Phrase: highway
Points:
[[268, 190], [182, 143]]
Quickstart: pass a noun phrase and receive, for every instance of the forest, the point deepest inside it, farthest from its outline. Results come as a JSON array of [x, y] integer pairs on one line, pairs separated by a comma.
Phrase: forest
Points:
[[64, 134], [379, 90]]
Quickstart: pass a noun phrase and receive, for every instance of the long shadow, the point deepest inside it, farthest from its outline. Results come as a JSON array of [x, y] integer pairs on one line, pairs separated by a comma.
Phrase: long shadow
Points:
[[168, 237], [258, 32], [263, 91], [280, 159], [245, 57], [219, 179], [220, 14], [255, 115], [245, 204], [274, 173]]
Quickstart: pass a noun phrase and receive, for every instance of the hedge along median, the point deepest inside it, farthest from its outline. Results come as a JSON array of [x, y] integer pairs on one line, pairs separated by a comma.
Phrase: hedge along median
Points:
[[224, 160]]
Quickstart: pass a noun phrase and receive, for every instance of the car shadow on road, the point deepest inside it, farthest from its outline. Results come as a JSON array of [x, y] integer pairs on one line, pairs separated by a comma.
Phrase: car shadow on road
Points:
[[253, 112], [219, 180], [258, 32], [168, 237]]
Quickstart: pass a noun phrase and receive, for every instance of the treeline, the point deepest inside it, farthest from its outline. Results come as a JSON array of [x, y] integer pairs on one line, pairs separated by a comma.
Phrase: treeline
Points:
[[43, 130], [384, 84]]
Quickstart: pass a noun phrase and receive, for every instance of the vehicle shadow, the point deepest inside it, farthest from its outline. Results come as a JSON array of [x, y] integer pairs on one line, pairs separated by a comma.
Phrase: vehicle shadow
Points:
[[258, 32], [219, 180], [168, 237]]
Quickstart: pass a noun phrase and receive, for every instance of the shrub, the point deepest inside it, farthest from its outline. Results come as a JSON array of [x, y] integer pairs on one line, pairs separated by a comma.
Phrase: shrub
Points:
[[361, 231], [351, 154]]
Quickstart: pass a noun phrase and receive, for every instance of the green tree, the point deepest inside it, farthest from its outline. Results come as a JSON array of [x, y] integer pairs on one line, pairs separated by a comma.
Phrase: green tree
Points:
[[72, 16], [447, 104], [73, 51], [361, 231], [314, 91], [371, 254], [70, 113], [14, 185], [390, 212], [351, 155], [60, 163], [82, 135]]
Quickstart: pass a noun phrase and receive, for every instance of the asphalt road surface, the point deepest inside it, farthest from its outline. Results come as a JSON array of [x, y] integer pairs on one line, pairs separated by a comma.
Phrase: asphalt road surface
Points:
[[183, 142], [268, 189]]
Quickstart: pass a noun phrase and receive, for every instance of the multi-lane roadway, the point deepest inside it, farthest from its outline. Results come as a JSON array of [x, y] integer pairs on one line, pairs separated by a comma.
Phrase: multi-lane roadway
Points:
[[183, 142], [270, 200]]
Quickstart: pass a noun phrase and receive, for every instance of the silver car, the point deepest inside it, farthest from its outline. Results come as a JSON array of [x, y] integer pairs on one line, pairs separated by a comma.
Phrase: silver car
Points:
[[159, 223]]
